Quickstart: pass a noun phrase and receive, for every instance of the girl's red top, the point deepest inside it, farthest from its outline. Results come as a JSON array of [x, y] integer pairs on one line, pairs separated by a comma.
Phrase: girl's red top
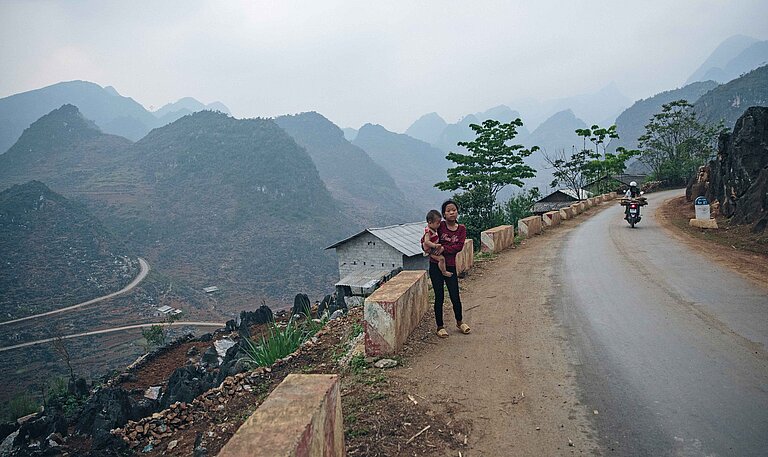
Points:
[[452, 242]]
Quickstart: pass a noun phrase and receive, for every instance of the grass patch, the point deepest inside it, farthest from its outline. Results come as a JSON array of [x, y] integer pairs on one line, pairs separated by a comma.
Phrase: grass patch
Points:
[[281, 341], [358, 364], [485, 256]]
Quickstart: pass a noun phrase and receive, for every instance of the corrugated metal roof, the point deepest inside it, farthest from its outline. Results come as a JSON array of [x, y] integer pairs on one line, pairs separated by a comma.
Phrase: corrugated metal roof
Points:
[[543, 207], [403, 237], [582, 195], [364, 281]]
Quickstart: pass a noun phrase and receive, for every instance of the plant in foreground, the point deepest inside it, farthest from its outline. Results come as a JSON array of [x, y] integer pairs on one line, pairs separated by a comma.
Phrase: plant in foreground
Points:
[[281, 341]]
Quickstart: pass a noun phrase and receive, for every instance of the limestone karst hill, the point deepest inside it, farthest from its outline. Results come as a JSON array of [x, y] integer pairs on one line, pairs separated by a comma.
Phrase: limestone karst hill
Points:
[[63, 149], [365, 190], [729, 101], [54, 253], [209, 199], [415, 165], [112, 112]]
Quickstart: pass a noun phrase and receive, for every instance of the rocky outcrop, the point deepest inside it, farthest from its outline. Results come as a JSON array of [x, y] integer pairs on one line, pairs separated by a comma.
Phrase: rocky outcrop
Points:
[[107, 409], [739, 174]]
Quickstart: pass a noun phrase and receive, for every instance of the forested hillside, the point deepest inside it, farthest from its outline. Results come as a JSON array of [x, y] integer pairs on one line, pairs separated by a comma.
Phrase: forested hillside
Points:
[[54, 253], [209, 199], [729, 101]]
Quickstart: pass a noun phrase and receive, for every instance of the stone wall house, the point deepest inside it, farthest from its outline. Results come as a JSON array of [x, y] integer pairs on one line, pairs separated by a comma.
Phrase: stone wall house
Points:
[[377, 251]]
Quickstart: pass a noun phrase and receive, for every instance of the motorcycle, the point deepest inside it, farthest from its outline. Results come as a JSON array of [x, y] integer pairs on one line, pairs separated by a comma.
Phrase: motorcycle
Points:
[[632, 209]]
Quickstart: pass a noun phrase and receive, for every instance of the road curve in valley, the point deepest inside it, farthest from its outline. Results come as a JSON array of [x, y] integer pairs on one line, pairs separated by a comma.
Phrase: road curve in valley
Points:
[[115, 329], [144, 270], [670, 348]]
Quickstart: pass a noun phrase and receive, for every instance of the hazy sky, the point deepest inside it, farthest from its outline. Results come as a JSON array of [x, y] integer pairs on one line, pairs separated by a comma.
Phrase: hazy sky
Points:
[[385, 62]]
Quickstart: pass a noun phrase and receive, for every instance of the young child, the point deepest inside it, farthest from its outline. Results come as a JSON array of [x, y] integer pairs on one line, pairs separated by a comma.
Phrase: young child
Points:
[[431, 238]]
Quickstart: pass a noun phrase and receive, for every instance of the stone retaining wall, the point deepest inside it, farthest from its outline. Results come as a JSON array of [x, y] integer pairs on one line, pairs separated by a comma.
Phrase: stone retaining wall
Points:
[[301, 417], [497, 239], [529, 226], [393, 311], [466, 258], [551, 218]]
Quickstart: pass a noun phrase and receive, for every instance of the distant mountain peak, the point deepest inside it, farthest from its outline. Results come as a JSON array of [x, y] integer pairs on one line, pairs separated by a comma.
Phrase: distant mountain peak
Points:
[[714, 66], [183, 106], [63, 122], [427, 128]]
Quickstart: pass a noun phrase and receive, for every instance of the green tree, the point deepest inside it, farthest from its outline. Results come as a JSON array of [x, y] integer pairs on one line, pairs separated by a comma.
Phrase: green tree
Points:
[[491, 164], [592, 163], [569, 171], [520, 205], [154, 336], [478, 212], [676, 142]]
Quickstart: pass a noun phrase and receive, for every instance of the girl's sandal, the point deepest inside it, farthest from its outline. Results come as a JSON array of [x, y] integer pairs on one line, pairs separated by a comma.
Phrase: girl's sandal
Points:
[[441, 333], [464, 328]]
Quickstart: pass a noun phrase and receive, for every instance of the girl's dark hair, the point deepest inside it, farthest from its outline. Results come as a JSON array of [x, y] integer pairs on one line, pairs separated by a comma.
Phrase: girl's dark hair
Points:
[[434, 215], [449, 202]]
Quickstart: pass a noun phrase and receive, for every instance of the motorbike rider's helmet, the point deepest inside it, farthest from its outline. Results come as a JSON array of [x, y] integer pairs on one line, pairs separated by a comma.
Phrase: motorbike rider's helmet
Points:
[[633, 184]]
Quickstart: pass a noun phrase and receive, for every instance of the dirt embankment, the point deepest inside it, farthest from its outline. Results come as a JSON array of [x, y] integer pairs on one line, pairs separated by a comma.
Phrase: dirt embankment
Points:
[[734, 246]]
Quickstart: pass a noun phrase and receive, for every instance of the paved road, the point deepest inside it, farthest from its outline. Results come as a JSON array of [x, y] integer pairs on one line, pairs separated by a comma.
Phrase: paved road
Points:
[[140, 277], [670, 348], [115, 329]]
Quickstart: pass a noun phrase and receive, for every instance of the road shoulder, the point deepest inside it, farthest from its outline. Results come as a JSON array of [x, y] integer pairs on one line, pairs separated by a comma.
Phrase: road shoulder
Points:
[[722, 248], [509, 384]]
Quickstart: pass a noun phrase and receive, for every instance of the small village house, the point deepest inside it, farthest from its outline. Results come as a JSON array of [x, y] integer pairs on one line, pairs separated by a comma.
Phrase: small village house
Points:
[[367, 258], [558, 199]]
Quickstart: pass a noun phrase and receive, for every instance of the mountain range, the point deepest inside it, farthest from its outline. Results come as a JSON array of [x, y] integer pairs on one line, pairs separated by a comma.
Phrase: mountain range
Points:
[[249, 204], [208, 199], [112, 112], [735, 56]]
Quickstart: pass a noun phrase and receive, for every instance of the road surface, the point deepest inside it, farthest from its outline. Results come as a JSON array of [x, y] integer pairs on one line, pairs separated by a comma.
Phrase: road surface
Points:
[[115, 329], [669, 348], [140, 277]]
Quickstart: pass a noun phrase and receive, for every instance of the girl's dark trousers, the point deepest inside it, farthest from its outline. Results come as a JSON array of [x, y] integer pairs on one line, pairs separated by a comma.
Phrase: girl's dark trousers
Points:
[[453, 290]]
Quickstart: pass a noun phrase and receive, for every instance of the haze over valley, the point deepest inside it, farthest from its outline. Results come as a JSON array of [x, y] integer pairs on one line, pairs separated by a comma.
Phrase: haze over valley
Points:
[[244, 190]]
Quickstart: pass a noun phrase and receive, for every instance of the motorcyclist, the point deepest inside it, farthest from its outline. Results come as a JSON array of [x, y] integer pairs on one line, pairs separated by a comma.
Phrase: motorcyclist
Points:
[[633, 191]]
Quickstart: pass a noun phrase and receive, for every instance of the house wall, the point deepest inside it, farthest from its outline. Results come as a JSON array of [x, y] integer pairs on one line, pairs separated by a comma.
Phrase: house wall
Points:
[[367, 251], [417, 262]]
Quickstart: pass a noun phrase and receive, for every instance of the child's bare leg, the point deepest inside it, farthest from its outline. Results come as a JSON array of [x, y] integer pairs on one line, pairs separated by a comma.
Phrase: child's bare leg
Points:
[[441, 264]]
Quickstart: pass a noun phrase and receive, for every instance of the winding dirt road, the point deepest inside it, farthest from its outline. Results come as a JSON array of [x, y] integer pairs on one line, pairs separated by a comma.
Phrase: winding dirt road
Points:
[[140, 277], [115, 329]]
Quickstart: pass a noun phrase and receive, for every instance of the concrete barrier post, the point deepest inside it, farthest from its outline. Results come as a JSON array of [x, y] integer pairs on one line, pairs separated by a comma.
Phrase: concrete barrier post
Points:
[[551, 218], [497, 239], [301, 417], [393, 311], [576, 209], [565, 213], [466, 258], [529, 226]]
